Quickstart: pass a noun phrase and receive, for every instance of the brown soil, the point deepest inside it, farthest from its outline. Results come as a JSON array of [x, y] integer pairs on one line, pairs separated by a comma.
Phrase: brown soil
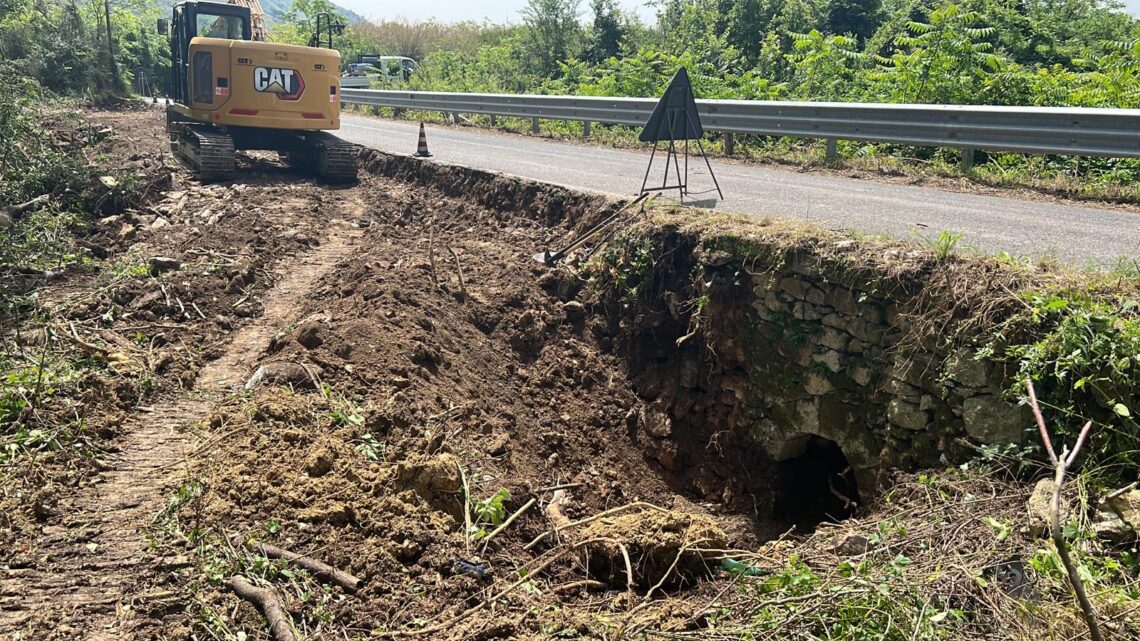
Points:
[[493, 382], [408, 366], [77, 552]]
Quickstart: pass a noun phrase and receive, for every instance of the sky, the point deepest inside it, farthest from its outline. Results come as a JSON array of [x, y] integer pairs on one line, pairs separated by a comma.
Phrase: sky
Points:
[[457, 10], [501, 11]]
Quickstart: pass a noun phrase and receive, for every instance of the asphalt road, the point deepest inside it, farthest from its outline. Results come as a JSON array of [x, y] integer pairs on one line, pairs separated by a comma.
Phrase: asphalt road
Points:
[[1075, 234]]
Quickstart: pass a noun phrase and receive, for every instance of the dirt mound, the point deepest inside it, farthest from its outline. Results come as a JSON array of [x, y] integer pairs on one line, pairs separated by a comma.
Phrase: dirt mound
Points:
[[662, 547]]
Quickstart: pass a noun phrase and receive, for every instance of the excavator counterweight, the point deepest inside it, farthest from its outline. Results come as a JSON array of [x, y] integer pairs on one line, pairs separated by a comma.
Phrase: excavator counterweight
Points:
[[234, 92]]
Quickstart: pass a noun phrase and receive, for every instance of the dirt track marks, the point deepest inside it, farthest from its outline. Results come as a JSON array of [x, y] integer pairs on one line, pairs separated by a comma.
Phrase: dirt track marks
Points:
[[87, 584]]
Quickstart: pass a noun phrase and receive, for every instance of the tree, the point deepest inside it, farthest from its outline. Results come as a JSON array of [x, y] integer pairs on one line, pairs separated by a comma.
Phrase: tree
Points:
[[857, 17], [944, 60], [823, 65], [552, 33], [607, 33]]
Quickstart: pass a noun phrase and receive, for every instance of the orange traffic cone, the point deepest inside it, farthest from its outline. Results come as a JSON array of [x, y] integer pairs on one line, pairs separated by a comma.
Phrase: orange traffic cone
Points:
[[422, 149]]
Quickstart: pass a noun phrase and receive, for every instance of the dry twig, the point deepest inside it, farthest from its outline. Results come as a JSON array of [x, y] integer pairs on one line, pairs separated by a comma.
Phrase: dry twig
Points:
[[459, 271], [431, 256], [511, 519], [1061, 465]]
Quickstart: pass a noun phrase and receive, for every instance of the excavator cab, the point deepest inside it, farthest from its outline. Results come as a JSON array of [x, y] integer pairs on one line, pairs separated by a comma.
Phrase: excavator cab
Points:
[[234, 92], [206, 19]]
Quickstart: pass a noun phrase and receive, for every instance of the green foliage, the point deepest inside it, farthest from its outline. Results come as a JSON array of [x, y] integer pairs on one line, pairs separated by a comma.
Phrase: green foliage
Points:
[[944, 244], [823, 66], [370, 447], [1085, 364], [342, 410], [942, 60], [859, 18], [493, 509], [552, 34], [63, 45], [607, 32]]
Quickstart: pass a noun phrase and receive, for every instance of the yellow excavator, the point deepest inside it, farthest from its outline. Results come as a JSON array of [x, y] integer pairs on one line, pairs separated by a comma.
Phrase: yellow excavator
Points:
[[232, 91]]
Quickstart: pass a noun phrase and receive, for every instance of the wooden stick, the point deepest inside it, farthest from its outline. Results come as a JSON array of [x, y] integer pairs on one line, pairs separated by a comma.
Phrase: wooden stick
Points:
[[266, 599], [317, 568], [585, 584], [554, 509], [459, 270], [14, 212], [1060, 468], [511, 519], [431, 256], [466, 508], [563, 486]]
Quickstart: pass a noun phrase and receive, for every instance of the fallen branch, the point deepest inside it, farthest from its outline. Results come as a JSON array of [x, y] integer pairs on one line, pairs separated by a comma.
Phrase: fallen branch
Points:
[[554, 509], [1061, 465], [585, 584], [466, 508], [459, 271], [431, 257], [266, 600], [14, 212], [318, 569]]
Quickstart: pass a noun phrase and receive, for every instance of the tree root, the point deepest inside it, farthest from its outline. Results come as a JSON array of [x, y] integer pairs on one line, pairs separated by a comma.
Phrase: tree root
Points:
[[266, 600], [318, 569]]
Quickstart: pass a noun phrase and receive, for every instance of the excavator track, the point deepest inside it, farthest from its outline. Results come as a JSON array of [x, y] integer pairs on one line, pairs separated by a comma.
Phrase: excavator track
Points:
[[335, 159], [208, 152]]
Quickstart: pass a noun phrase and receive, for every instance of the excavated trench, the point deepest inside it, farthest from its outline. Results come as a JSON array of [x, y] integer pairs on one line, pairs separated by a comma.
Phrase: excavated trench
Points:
[[781, 380], [702, 387]]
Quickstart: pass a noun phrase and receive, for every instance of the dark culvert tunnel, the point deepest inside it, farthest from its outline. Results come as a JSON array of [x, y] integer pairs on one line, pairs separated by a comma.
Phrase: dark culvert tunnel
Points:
[[815, 487]]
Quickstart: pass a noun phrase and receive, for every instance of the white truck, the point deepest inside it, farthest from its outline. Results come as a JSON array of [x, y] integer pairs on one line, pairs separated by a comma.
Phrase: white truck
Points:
[[385, 71]]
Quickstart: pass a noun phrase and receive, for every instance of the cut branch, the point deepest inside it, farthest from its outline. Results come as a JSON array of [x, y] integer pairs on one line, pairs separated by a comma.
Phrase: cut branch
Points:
[[14, 212], [529, 504], [266, 600], [431, 257], [318, 569], [1061, 464], [459, 271]]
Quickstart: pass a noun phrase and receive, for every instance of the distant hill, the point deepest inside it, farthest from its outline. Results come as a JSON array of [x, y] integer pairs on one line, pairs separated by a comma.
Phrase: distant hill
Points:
[[275, 9]]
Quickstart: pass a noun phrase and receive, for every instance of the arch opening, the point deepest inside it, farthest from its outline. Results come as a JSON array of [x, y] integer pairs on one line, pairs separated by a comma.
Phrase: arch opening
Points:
[[815, 487]]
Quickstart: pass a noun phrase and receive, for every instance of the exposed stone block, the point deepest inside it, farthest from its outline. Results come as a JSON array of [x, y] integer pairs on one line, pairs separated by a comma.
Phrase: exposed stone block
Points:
[[992, 420], [907, 415], [963, 368]]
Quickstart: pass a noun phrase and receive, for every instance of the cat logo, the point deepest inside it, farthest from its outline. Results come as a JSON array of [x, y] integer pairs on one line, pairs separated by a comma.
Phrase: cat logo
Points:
[[286, 83]]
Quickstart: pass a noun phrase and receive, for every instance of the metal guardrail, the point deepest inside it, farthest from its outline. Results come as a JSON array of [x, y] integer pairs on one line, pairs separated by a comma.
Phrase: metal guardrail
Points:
[[1034, 130]]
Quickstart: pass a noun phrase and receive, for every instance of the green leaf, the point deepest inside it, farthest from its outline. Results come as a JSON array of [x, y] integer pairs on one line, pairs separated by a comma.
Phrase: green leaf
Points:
[[1122, 410]]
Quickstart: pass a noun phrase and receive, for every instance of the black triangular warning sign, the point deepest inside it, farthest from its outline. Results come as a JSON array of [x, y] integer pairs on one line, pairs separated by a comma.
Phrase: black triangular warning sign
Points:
[[677, 111]]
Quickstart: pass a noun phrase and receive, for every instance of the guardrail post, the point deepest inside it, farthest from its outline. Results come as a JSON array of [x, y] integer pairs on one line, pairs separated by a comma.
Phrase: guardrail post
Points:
[[494, 121], [967, 159], [729, 143], [534, 125], [585, 128], [832, 150], [455, 119]]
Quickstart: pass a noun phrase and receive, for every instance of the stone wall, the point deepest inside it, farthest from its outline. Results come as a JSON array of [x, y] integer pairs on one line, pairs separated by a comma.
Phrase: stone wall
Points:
[[751, 352]]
